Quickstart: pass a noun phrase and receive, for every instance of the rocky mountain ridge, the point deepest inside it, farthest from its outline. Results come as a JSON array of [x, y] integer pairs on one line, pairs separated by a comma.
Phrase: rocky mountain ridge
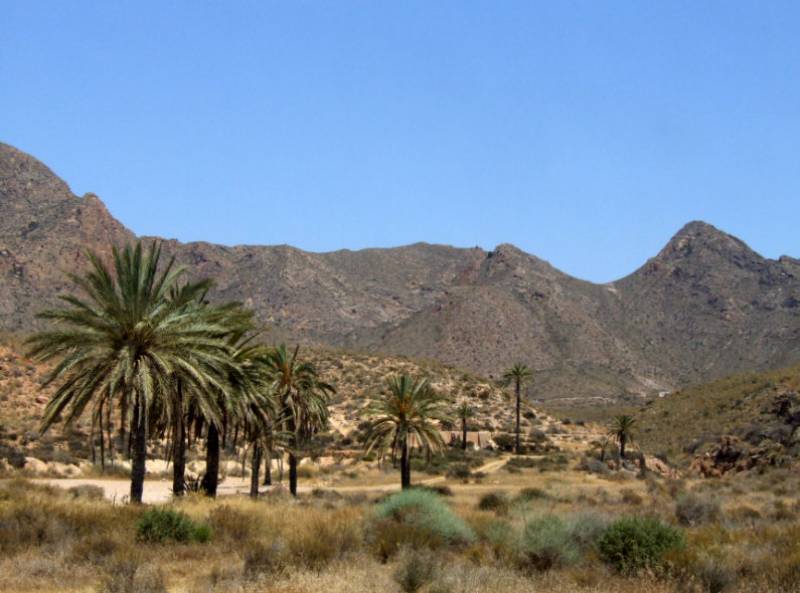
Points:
[[704, 307]]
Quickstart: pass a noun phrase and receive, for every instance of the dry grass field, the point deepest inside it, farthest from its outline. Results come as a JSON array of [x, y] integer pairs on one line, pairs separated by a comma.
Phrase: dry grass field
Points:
[[512, 528]]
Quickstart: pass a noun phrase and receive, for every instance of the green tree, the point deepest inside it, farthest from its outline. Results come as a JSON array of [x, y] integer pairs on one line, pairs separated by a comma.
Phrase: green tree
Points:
[[408, 409], [126, 339], [303, 401], [464, 413], [519, 374], [621, 430]]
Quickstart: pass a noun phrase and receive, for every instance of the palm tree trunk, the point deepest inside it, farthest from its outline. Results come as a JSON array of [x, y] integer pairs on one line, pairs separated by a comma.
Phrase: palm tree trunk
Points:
[[268, 468], [123, 418], [138, 450], [405, 467], [102, 439], [463, 434], [517, 447], [622, 444], [293, 473], [179, 446], [109, 437], [254, 470], [211, 478]]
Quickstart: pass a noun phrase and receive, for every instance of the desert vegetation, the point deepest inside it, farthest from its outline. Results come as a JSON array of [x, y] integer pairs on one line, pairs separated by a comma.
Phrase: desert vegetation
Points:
[[149, 365], [588, 537]]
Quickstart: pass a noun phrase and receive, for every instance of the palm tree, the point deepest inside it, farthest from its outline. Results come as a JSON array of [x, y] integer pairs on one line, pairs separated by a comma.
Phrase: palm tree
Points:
[[243, 385], [409, 409], [303, 401], [464, 413], [518, 374], [126, 339], [622, 431]]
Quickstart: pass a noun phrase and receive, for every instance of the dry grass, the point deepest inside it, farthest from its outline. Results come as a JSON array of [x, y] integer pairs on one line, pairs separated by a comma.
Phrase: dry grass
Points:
[[52, 540]]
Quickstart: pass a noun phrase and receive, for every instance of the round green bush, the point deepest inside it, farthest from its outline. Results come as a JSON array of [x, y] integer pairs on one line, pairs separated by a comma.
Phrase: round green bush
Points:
[[632, 544], [426, 514], [547, 543], [158, 525]]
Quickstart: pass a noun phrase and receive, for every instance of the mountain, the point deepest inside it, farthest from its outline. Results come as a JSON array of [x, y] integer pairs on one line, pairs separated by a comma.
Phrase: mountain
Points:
[[704, 307]]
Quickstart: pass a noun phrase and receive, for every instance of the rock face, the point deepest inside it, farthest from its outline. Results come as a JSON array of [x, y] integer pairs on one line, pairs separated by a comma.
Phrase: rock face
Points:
[[704, 307]]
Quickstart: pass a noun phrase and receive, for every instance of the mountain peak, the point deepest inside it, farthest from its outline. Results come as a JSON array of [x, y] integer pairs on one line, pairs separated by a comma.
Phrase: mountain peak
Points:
[[698, 238], [25, 176]]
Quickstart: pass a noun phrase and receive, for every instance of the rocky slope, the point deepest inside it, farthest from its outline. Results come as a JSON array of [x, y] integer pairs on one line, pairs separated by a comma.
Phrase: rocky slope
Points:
[[742, 421], [704, 307]]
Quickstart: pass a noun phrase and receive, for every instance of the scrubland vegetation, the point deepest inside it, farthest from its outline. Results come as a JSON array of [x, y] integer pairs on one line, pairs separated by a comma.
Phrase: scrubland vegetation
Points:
[[649, 534]]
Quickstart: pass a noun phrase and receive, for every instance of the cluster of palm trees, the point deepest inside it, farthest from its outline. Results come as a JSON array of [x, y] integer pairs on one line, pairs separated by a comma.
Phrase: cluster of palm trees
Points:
[[142, 346]]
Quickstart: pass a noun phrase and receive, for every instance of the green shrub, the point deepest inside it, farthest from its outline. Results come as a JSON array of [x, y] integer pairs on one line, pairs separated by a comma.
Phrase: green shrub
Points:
[[494, 501], [632, 544], [416, 518], [158, 525], [547, 543], [696, 509]]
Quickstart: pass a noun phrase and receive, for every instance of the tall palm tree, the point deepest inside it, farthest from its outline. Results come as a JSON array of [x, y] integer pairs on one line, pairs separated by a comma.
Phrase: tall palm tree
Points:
[[303, 401], [241, 387], [409, 409], [126, 339], [464, 413], [518, 375], [621, 430]]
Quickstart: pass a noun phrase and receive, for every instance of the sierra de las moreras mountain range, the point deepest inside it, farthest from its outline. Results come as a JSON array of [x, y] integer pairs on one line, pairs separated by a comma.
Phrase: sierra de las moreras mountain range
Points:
[[705, 306]]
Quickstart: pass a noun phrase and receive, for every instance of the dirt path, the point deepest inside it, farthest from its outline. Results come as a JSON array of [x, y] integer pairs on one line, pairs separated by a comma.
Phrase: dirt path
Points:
[[157, 491]]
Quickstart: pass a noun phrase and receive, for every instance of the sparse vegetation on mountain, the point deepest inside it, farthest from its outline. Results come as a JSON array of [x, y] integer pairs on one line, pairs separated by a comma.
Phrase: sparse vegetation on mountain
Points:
[[470, 308]]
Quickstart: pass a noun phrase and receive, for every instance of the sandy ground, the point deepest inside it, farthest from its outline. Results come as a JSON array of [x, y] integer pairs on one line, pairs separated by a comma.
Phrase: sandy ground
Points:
[[156, 491]]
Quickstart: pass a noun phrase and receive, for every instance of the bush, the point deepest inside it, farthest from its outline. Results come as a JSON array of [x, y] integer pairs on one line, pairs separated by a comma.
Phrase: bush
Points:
[[494, 501], [158, 525], [631, 497], [415, 570], [129, 575], [261, 559], [416, 518], [547, 543], [460, 471], [586, 529], [632, 544], [231, 524], [695, 509]]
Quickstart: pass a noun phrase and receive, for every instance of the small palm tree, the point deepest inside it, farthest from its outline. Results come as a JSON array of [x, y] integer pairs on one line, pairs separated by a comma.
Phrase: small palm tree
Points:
[[303, 401], [128, 340], [621, 430], [518, 375], [409, 409], [464, 413]]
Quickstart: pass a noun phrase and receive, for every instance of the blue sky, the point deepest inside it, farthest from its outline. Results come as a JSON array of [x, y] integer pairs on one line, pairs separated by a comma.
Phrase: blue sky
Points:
[[586, 133]]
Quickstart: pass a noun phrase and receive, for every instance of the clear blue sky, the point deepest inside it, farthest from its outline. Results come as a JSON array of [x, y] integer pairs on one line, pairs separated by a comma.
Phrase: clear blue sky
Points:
[[586, 133]]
